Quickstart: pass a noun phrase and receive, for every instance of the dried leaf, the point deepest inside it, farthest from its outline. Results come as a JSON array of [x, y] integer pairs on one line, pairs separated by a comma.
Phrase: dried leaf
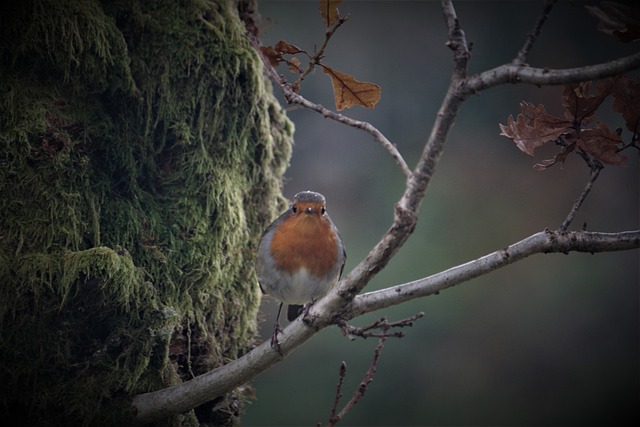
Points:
[[294, 65], [626, 101], [603, 144], [533, 127], [559, 158], [579, 105], [349, 92], [329, 11], [270, 53], [619, 20], [284, 47]]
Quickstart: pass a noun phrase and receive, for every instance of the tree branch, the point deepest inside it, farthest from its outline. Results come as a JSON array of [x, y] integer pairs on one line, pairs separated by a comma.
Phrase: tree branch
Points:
[[406, 210], [521, 57], [183, 397], [542, 242], [596, 168], [514, 73], [294, 98], [362, 388]]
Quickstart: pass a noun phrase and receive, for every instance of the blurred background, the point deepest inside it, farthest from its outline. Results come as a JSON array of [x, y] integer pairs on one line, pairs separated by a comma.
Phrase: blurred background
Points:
[[551, 340]]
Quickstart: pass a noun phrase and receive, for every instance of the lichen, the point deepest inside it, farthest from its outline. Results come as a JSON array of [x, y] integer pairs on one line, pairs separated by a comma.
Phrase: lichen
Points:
[[142, 155]]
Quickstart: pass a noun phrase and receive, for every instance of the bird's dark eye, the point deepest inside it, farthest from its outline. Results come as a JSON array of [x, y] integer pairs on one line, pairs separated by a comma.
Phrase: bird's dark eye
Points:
[[323, 210], [294, 208]]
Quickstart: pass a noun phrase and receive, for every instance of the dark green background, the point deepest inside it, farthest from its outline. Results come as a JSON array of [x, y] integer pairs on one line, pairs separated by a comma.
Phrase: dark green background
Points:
[[551, 340]]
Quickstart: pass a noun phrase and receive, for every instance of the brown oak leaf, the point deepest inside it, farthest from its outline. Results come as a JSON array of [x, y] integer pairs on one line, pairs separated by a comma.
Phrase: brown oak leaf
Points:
[[617, 19], [603, 144], [349, 92], [295, 65], [533, 127], [284, 47], [559, 158], [626, 101], [270, 53], [579, 105], [329, 11]]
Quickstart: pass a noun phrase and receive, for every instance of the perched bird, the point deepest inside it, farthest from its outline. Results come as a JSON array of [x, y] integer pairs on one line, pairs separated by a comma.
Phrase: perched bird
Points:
[[300, 256]]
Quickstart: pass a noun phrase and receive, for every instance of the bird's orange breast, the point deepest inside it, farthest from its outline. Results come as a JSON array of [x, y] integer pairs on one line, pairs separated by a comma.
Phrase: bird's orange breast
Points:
[[305, 241]]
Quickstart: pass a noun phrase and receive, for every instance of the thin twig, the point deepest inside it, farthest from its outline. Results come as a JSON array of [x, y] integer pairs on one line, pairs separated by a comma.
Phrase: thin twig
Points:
[[294, 98], [319, 54], [362, 388], [531, 38], [341, 375], [596, 167], [382, 325]]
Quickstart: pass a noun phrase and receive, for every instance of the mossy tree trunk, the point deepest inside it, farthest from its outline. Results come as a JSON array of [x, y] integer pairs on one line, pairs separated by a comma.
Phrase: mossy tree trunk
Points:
[[141, 156]]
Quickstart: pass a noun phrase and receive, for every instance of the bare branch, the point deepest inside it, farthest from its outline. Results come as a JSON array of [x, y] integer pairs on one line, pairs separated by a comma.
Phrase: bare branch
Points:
[[542, 242], [294, 98], [333, 418], [457, 40], [362, 388], [531, 38], [511, 73], [383, 325], [596, 167], [406, 210]]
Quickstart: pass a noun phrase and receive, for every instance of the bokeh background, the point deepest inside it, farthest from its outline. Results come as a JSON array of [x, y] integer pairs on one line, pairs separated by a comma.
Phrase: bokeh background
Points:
[[551, 340]]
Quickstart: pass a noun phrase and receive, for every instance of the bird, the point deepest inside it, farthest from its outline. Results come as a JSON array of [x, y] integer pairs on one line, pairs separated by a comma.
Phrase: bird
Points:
[[300, 256]]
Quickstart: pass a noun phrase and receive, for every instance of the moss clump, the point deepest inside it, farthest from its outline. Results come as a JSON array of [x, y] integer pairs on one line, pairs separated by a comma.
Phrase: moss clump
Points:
[[141, 157]]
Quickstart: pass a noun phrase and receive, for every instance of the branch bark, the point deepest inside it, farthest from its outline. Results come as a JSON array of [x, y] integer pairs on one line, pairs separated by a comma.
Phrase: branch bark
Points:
[[542, 242], [182, 397], [515, 73]]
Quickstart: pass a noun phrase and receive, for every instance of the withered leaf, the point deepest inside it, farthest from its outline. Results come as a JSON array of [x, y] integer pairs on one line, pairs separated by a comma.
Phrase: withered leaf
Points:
[[617, 19], [285, 47], [626, 101], [579, 105], [294, 65], [349, 92], [559, 158], [270, 53], [329, 11], [603, 144], [533, 127]]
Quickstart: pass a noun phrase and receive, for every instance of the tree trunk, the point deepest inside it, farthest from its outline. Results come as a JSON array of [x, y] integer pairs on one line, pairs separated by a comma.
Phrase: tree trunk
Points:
[[142, 154]]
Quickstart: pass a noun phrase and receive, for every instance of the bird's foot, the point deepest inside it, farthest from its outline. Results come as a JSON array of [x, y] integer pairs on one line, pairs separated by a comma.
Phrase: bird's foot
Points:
[[274, 338]]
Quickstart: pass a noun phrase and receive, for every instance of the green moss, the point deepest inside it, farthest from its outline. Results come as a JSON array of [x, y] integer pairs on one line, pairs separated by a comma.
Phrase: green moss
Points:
[[141, 158]]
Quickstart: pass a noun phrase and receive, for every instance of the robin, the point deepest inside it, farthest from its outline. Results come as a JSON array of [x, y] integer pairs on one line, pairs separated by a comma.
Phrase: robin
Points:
[[300, 256]]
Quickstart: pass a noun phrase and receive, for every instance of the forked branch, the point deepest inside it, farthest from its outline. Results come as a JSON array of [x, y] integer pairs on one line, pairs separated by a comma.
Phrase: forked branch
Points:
[[335, 418]]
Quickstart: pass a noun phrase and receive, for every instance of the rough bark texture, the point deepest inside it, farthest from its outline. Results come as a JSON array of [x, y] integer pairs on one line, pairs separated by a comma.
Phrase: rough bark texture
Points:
[[141, 156]]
